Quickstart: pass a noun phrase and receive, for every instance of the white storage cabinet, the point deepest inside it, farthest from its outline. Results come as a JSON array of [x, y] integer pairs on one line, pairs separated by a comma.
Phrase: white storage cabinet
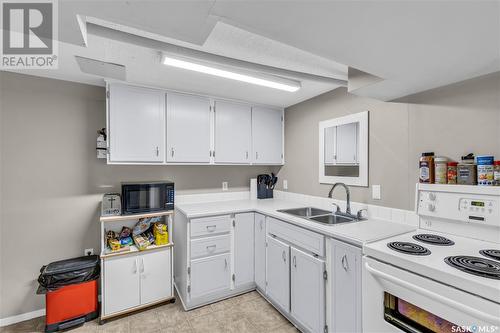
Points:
[[136, 124], [267, 135], [188, 128], [233, 133], [345, 287]]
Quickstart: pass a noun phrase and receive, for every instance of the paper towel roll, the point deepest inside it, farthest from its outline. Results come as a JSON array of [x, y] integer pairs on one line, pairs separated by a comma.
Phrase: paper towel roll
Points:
[[253, 189]]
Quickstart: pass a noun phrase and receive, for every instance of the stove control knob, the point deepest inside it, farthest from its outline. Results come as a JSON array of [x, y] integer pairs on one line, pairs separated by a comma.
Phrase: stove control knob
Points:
[[432, 196], [431, 207]]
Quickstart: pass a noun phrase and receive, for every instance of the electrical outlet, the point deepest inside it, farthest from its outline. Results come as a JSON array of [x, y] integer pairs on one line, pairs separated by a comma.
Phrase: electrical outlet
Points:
[[376, 195], [88, 252], [285, 184], [224, 186]]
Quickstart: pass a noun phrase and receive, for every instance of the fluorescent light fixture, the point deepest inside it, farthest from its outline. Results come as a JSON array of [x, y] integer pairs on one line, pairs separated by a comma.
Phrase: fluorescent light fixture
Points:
[[268, 81]]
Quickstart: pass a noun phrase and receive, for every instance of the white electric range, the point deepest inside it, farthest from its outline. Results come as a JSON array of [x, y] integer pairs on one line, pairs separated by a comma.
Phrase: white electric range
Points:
[[443, 277]]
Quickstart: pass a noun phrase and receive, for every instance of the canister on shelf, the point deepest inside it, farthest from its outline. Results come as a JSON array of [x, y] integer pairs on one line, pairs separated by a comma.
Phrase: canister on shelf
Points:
[[440, 170], [426, 168], [451, 172], [485, 171], [496, 173], [466, 171]]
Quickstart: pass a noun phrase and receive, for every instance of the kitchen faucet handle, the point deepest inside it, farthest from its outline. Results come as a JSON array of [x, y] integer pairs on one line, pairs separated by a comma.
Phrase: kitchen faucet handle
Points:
[[359, 215], [336, 205]]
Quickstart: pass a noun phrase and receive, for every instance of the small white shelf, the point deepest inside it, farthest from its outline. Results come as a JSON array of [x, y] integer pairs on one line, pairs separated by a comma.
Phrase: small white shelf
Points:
[[135, 216], [133, 249]]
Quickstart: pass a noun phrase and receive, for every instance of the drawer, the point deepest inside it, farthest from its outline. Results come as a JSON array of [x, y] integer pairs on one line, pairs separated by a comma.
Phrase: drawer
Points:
[[205, 247], [300, 237], [207, 226]]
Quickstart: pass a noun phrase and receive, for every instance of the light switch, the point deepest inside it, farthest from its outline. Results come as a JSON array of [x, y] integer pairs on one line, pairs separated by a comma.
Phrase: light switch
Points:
[[285, 184], [224, 186], [376, 192]]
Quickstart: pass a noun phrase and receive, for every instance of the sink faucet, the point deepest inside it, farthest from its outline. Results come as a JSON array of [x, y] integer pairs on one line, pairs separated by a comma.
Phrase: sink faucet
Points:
[[348, 194]]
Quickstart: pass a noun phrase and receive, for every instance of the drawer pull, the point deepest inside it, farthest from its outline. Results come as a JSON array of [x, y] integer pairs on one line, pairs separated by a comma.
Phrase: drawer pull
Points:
[[211, 248], [211, 228]]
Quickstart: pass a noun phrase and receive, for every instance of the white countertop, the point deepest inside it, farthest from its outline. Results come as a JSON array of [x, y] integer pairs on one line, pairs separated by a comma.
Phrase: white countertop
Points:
[[356, 233]]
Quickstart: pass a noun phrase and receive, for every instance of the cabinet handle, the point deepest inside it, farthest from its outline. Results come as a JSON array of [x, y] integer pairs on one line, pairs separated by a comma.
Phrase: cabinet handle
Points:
[[284, 256], [246, 154], [345, 263], [211, 248], [135, 266], [256, 155], [225, 264], [172, 152], [157, 151], [295, 261], [261, 225], [211, 228], [142, 265]]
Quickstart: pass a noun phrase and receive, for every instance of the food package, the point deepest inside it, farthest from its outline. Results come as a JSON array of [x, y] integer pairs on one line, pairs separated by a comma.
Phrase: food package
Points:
[[127, 241], [114, 244], [125, 232], [141, 242], [160, 233]]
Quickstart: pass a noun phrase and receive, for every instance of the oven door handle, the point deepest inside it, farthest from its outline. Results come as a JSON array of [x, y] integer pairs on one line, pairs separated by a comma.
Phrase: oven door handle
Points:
[[458, 306]]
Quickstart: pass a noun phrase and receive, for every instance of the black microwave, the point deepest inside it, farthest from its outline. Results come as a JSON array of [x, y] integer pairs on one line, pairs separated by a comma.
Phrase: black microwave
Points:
[[147, 197]]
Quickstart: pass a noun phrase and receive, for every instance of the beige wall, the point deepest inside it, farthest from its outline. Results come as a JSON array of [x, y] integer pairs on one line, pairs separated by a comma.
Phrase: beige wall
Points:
[[451, 121], [52, 181]]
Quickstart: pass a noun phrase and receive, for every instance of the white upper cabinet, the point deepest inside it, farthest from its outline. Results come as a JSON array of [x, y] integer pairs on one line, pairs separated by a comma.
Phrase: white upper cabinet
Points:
[[347, 144], [136, 124], [233, 135], [153, 126], [267, 135], [188, 128]]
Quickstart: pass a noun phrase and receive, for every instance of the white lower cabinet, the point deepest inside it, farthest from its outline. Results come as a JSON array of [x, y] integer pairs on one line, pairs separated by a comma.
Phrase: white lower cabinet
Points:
[[345, 284], [210, 275], [307, 290], [122, 286], [278, 272], [260, 251], [243, 249], [154, 271], [134, 280]]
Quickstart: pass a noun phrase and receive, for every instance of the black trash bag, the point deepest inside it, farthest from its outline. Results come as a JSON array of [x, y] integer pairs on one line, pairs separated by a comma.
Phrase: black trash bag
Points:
[[67, 272]]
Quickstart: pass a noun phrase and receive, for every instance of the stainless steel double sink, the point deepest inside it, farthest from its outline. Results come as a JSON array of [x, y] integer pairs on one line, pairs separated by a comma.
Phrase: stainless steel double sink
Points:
[[320, 215]]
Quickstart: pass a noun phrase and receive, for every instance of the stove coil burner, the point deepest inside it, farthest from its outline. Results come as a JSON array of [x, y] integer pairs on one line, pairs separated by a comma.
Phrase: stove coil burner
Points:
[[433, 239], [409, 248], [490, 253], [475, 265]]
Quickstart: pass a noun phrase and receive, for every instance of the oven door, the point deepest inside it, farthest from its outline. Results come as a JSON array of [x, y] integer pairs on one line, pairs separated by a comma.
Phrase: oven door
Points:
[[144, 198], [395, 300]]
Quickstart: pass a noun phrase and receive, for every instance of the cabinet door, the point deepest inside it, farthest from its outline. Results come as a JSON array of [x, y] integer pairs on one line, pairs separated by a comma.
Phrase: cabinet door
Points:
[[347, 146], [307, 290], [346, 288], [260, 251], [267, 135], [188, 128], [233, 132], [155, 271], [136, 124], [121, 284], [278, 272], [243, 249], [210, 275]]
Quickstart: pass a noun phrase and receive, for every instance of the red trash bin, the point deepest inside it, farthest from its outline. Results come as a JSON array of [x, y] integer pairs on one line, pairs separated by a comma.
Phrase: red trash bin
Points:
[[71, 288]]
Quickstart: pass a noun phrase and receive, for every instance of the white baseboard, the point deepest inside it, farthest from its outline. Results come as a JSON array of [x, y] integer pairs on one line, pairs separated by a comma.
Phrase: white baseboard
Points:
[[21, 317]]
